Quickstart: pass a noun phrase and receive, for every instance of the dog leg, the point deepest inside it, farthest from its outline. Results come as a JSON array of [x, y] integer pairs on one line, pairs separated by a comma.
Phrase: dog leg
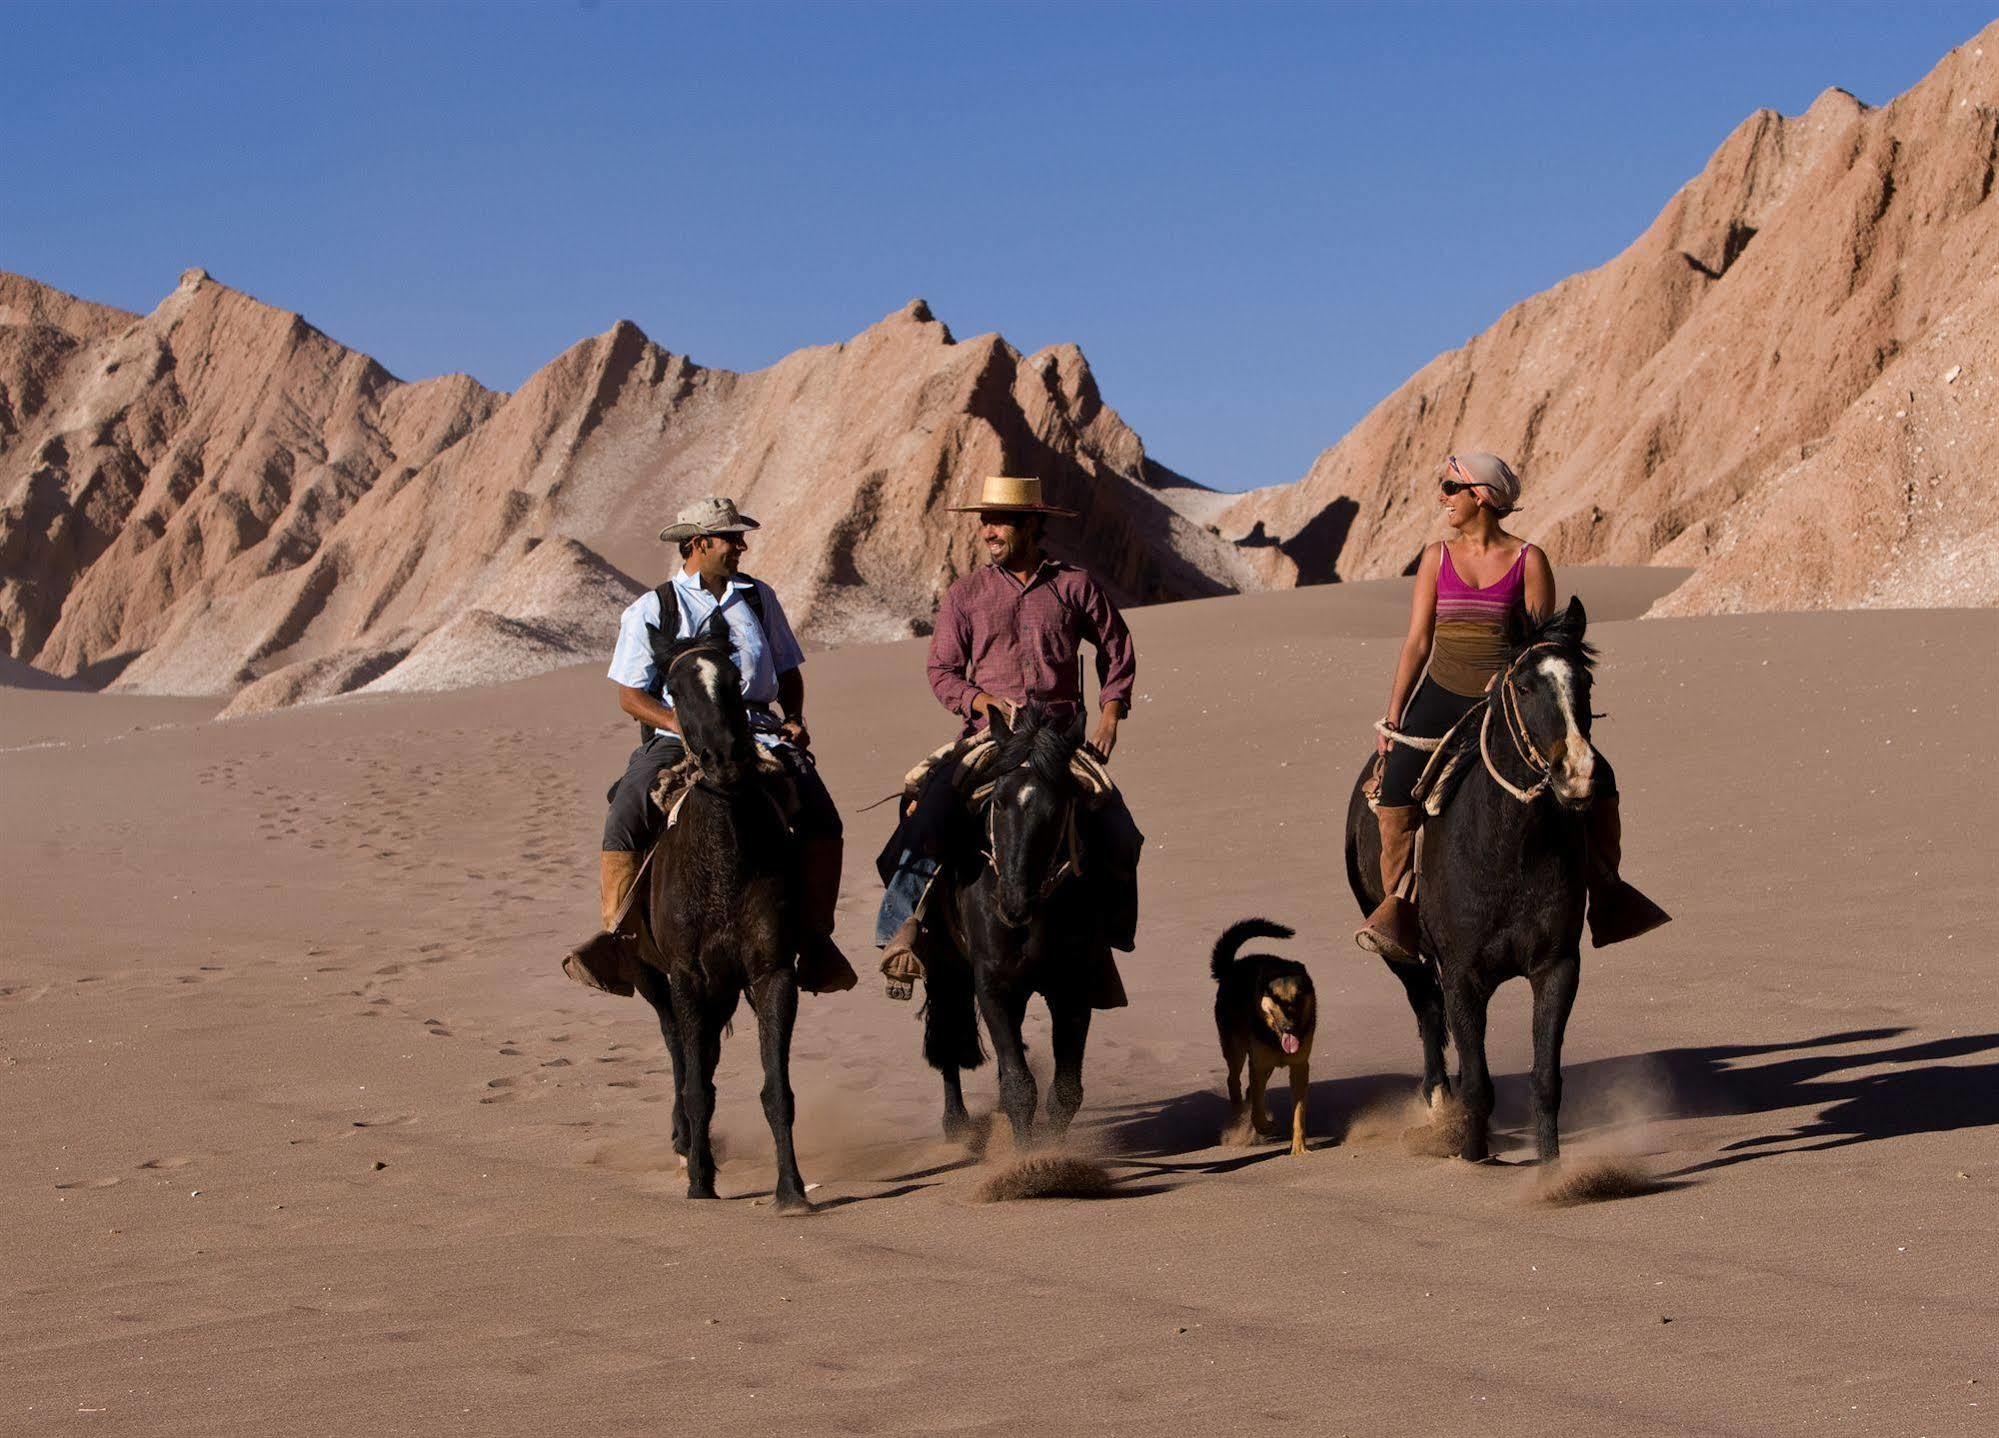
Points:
[[1301, 1083], [1233, 1057], [1259, 1078]]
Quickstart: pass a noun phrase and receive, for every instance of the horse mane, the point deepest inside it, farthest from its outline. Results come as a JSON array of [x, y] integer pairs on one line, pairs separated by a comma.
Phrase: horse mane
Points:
[[1036, 742]]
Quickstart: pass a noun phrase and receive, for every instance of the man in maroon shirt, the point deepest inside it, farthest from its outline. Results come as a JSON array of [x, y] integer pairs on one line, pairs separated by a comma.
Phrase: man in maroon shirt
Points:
[[1008, 634]]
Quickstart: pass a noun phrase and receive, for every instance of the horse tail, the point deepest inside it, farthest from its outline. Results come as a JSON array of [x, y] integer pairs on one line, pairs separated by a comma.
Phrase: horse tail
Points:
[[1238, 934]]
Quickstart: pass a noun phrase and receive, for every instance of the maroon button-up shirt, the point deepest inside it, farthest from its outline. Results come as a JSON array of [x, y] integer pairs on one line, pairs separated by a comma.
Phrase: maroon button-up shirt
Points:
[[1023, 642]]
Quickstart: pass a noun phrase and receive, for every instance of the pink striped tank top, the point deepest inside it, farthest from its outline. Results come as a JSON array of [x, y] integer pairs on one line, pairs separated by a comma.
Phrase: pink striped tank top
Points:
[[1476, 628]]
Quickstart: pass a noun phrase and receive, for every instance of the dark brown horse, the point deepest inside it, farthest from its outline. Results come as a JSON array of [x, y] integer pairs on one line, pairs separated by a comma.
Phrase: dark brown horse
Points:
[[1503, 873], [720, 914], [1022, 921]]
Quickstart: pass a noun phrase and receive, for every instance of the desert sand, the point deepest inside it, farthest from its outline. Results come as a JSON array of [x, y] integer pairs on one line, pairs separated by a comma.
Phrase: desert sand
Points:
[[307, 1134]]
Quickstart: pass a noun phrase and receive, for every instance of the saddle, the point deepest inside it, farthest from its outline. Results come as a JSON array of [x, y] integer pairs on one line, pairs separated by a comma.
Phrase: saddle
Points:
[[671, 786], [972, 759]]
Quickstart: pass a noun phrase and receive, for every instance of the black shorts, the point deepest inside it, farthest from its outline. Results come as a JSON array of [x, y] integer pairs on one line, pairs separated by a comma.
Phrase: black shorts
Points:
[[633, 822]]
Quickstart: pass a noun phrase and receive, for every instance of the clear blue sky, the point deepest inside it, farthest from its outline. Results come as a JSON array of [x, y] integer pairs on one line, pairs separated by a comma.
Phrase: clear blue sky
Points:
[[1255, 220]]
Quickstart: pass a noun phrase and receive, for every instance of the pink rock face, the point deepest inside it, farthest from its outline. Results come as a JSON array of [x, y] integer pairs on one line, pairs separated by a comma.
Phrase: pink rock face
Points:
[[1786, 384], [1756, 389]]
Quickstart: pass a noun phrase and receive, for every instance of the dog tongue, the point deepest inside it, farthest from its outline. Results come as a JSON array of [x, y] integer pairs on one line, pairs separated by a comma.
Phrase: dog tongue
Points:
[[1290, 1043]]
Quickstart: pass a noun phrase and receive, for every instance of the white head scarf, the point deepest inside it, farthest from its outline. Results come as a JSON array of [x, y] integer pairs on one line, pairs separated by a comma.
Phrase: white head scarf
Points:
[[1499, 485]]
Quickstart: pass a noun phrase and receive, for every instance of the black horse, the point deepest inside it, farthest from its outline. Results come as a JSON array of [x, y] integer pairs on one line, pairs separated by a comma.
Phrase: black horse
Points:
[[1503, 862], [720, 914], [1020, 921]]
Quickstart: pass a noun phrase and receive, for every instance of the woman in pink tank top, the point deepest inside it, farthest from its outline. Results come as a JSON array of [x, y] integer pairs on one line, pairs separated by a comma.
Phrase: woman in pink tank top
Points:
[[1477, 595]]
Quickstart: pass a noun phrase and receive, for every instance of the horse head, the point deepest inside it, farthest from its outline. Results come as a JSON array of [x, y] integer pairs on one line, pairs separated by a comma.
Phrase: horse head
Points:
[[1031, 831], [707, 693], [1544, 697]]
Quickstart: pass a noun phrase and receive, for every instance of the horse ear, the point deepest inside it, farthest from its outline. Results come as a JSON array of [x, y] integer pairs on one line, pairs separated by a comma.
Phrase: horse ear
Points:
[[1077, 733], [716, 631], [1573, 621], [998, 727]]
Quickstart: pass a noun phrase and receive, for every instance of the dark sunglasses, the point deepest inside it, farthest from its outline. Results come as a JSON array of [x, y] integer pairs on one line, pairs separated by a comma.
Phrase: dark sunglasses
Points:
[[1455, 486]]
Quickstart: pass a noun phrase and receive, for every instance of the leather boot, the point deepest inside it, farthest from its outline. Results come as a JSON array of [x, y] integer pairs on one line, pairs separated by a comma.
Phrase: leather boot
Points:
[[608, 961], [822, 968], [1391, 929], [1617, 911], [901, 967]]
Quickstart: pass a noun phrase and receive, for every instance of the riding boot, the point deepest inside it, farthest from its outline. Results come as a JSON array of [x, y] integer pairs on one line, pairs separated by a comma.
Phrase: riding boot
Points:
[[822, 968], [1391, 929], [1617, 911], [901, 967], [1106, 984], [609, 960]]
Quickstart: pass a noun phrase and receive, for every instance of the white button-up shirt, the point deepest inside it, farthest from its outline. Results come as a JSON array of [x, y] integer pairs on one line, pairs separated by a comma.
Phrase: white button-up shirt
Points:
[[762, 652]]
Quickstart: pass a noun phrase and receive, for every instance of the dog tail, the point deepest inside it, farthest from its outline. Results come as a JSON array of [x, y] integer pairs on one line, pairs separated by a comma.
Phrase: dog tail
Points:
[[1238, 934]]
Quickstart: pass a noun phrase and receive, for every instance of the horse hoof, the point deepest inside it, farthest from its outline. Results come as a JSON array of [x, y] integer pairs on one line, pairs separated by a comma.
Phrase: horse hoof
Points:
[[793, 1203], [701, 1190]]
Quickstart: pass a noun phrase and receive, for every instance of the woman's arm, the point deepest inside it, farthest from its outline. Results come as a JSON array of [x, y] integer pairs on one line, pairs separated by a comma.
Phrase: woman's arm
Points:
[[1540, 577], [1415, 647]]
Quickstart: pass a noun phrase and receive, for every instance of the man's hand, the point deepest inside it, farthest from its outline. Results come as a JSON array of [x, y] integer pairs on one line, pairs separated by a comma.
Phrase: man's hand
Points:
[[794, 732], [983, 705], [1103, 738]]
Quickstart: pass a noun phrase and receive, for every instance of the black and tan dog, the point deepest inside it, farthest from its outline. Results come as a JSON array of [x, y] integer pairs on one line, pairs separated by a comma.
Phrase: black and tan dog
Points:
[[1265, 1012]]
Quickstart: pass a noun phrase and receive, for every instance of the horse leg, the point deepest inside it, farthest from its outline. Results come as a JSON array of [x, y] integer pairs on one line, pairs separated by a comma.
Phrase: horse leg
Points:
[[1554, 996], [1071, 1024], [651, 983], [1464, 1007], [777, 1009], [701, 1049], [1003, 1014], [1426, 997]]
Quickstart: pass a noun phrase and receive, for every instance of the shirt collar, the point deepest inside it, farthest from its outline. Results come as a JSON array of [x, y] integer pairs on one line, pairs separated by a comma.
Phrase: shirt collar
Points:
[[1047, 569], [692, 583]]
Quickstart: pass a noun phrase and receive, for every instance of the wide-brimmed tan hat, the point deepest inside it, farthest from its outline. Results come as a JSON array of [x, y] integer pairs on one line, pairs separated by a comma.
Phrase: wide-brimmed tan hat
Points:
[[708, 516], [1012, 496]]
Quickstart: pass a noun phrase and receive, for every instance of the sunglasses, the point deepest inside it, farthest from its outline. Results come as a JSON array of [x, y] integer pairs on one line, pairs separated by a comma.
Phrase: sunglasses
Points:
[[1454, 486]]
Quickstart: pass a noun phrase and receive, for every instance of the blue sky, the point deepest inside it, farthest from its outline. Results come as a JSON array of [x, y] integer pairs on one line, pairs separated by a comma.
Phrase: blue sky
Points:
[[1256, 220]]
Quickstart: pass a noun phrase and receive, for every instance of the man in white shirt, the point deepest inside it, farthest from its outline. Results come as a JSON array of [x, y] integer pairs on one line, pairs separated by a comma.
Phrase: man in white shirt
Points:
[[711, 535]]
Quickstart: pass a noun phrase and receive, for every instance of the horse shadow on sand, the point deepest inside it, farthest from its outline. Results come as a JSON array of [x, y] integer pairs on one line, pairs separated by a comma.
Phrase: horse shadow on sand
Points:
[[1858, 1086]]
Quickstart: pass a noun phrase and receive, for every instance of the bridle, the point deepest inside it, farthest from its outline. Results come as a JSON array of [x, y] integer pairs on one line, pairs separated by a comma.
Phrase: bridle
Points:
[[701, 779], [1068, 855], [1516, 733], [1504, 700]]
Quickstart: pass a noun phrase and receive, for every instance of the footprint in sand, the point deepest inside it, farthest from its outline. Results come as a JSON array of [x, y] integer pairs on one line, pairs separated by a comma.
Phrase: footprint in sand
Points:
[[89, 1183], [177, 1161], [507, 1090]]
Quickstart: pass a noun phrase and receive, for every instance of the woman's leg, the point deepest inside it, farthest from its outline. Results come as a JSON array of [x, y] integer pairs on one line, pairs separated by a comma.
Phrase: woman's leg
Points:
[[1391, 930]]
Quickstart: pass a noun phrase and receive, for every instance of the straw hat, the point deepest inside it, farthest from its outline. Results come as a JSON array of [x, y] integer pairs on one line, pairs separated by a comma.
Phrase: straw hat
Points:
[[707, 516], [1012, 496]]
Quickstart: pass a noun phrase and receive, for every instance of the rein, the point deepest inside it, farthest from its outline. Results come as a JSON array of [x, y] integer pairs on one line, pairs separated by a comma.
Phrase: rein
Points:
[[1508, 708]]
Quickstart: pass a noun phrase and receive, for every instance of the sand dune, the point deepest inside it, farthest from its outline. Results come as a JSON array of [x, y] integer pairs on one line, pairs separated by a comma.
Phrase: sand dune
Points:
[[306, 1133]]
